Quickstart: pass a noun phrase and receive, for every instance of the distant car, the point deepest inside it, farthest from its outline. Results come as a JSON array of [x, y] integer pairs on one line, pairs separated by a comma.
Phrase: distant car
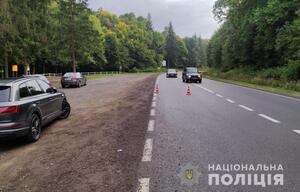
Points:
[[191, 74], [73, 79], [42, 77], [28, 104], [171, 73]]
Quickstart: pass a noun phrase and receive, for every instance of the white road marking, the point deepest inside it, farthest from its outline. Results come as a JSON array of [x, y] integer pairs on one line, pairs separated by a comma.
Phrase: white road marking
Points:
[[297, 131], [245, 107], [221, 96], [154, 99], [147, 154], [262, 91], [230, 101], [153, 104], [151, 125], [208, 90], [152, 112], [269, 118], [143, 185]]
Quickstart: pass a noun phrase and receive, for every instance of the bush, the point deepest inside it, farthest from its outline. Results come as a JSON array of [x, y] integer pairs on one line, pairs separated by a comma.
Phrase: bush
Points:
[[272, 73], [292, 72], [147, 70]]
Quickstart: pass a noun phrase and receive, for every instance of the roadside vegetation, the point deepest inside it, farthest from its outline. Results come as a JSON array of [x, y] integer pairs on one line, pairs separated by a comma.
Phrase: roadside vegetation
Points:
[[258, 42], [254, 79], [52, 36]]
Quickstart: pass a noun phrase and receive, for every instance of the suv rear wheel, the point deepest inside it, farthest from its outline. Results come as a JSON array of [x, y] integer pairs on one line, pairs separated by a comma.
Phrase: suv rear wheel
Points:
[[35, 128]]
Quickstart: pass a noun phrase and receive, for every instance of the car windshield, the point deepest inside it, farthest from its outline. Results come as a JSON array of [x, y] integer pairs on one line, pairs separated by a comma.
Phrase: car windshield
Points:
[[4, 93], [171, 70], [192, 70]]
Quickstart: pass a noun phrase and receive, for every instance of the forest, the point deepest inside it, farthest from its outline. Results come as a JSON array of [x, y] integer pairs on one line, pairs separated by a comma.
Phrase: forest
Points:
[[259, 37], [55, 36]]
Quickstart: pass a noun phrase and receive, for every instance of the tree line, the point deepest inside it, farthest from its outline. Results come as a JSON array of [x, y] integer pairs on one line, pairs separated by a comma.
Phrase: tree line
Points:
[[257, 35], [65, 35]]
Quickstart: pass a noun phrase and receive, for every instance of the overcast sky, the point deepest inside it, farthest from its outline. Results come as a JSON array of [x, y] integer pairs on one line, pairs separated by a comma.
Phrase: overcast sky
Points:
[[189, 17]]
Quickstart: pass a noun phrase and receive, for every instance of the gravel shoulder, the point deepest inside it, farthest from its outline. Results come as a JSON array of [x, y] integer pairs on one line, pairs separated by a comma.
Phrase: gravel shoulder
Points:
[[83, 152]]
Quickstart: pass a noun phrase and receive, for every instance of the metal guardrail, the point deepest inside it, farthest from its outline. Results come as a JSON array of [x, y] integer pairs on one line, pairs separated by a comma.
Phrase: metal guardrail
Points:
[[85, 73]]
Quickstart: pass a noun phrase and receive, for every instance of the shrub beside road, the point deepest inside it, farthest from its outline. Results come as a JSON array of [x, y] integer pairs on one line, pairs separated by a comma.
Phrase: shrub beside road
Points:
[[265, 80]]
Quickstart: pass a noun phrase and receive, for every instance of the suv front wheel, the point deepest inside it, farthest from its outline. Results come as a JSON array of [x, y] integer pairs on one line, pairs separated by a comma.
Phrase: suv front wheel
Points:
[[66, 110]]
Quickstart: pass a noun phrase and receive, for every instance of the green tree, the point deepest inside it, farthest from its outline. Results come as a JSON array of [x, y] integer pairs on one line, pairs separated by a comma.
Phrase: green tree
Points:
[[171, 47]]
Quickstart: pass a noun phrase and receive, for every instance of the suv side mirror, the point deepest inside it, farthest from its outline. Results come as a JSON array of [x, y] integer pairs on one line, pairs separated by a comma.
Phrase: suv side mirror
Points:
[[51, 90]]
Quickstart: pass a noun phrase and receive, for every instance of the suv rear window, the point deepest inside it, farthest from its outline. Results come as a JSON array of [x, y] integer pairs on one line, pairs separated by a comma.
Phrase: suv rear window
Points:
[[78, 75], [4, 93]]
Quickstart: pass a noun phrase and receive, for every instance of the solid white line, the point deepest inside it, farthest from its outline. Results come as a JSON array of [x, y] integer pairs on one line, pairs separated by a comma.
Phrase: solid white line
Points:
[[152, 112], [147, 154], [143, 185], [269, 118], [221, 96], [151, 125], [245, 107], [153, 104], [297, 131], [154, 99], [230, 101]]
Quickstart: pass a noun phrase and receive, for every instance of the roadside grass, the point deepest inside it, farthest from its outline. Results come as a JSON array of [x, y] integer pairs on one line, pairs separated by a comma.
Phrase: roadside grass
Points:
[[99, 76], [252, 80]]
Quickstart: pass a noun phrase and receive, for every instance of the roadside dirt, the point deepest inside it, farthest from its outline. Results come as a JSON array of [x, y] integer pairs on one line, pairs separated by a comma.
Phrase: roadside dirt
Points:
[[97, 148]]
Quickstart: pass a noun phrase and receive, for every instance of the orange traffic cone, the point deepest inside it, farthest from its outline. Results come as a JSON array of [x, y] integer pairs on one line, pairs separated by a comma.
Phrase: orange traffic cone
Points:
[[188, 92], [156, 90]]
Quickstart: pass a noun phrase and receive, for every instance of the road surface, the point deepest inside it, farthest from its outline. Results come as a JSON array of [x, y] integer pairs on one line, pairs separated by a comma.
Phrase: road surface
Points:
[[219, 124]]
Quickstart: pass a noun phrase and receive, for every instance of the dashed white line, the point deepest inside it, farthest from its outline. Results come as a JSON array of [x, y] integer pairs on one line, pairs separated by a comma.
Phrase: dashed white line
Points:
[[151, 125], [152, 112], [221, 96], [147, 154], [208, 90], [230, 101], [297, 131], [143, 185], [245, 107], [269, 118], [153, 104]]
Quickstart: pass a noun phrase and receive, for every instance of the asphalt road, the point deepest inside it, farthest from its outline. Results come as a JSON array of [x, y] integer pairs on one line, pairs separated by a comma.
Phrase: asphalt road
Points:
[[219, 124]]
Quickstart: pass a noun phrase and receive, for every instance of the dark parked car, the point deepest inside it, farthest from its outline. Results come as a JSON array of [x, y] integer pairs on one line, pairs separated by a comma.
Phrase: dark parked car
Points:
[[28, 104], [191, 74], [42, 77], [73, 79], [171, 73]]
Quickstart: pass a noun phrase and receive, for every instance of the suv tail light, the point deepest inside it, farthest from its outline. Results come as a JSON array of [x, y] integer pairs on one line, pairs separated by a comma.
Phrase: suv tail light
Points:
[[9, 110]]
